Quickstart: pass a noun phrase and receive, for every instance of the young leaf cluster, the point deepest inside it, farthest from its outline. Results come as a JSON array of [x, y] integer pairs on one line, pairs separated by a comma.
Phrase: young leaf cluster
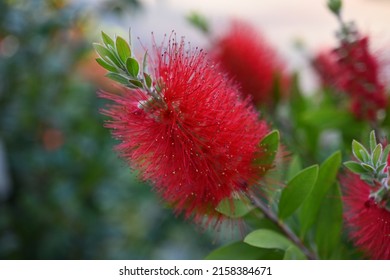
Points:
[[116, 57], [371, 164]]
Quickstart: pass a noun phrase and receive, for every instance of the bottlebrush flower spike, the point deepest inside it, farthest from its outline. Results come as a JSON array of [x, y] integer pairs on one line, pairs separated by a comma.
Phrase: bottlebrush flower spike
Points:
[[195, 140], [362, 72], [368, 222], [251, 62]]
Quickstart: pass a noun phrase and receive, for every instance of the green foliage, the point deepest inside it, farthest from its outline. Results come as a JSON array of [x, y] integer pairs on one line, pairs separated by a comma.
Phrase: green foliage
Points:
[[268, 239], [329, 224], [235, 208], [296, 191], [242, 251], [327, 176], [199, 21]]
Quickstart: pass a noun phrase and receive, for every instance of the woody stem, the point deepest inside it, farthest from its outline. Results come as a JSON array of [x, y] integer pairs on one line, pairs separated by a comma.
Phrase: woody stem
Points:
[[283, 227]]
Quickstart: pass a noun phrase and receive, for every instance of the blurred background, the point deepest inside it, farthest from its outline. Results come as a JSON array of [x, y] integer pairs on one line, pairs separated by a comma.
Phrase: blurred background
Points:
[[64, 193]]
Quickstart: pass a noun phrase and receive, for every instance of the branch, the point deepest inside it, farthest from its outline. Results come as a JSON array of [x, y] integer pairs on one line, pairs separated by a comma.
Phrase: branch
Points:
[[283, 227]]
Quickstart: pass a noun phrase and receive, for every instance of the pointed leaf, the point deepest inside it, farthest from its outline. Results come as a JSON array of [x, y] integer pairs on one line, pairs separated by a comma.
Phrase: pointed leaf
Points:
[[106, 65], [385, 154], [296, 191], [355, 167], [265, 238], [118, 78], [122, 48], [359, 151], [326, 177], [136, 83], [107, 40], [372, 141], [148, 80], [235, 208], [329, 223], [376, 154], [132, 67], [106, 54], [368, 167], [241, 251]]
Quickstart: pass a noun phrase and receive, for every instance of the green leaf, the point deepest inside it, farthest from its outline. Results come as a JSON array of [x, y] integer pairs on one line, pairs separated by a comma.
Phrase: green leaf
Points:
[[268, 239], [136, 83], [106, 54], [122, 48], [335, 6], [326, 177], [269, 145], [106, 65], [296, 191], [199, 21], [132, 67], [107, 40], [118, 78], [326, 118], [148, 80], [376, 155], [329, 223], [293, 253], [385, 154], [359, 151], [294, 167], [355, 167], [242, 251], [235, 208], [372, 141], [368, 167]]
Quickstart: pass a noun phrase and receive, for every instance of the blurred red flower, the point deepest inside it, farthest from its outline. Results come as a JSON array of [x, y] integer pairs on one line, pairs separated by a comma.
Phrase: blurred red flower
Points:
[[326, 66], [362, 72], [368, 222], [196, 143], [246, 56]]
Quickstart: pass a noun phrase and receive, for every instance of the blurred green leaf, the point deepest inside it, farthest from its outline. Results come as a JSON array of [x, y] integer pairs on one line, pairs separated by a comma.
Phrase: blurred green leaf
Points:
[[329, 223], [235, 208], [296, 191], [294, 167], [268, 239], [199, 21], [326, 177], [293, 253], [242, 251]]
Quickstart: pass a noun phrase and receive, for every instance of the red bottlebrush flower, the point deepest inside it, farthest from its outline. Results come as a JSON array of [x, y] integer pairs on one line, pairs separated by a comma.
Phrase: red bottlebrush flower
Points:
[[326, 65], [368, 222], [362, 74], [197, 141], [245, 55]]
